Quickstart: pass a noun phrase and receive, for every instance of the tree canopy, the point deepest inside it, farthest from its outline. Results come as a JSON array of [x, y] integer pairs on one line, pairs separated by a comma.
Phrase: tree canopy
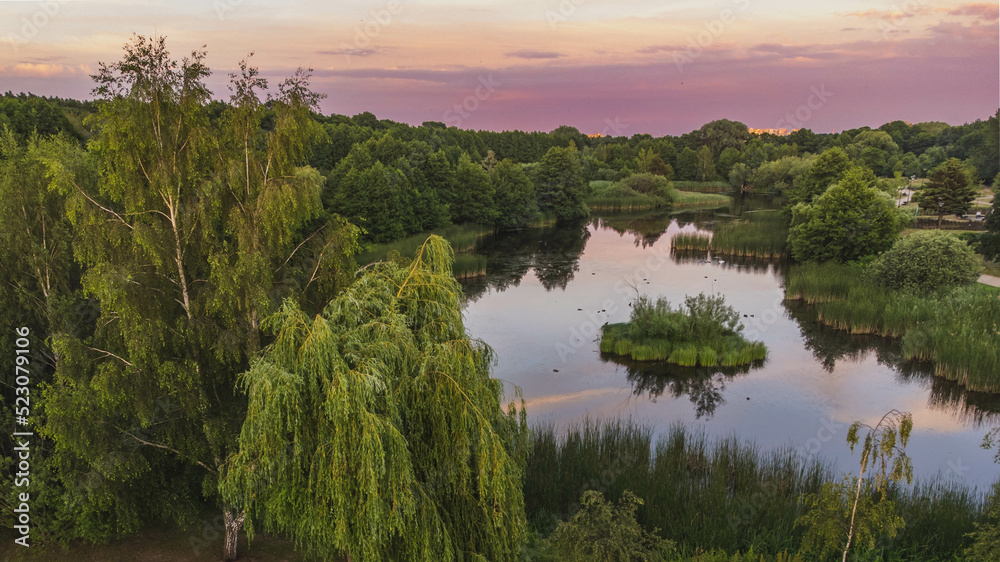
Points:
[[851, 220], [402, 449]]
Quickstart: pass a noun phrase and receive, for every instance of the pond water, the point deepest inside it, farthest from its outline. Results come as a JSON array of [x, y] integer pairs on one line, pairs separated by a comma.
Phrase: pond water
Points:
[[547, 291]]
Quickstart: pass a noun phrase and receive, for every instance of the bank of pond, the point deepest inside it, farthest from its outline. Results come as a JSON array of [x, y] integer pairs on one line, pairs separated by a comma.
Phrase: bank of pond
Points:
[[716, 498], [955, 328]]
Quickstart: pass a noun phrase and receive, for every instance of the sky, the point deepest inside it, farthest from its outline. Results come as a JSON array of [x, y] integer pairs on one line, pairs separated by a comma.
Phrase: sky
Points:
[[620, 68]]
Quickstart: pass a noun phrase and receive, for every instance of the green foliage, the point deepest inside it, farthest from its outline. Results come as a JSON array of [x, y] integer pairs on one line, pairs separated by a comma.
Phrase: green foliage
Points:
[[514, 194], [603, 531], [28, 115], [759, 234], [951, 189], [989, 242], [559, 184], [193, 231], [656, 331], [400, 447], [849, 221], [955, 328], [828, 514], [828, 169], [687, 165], [703, 493], [636, 192], [689, 199], [706, 164], [858, 507], [926, 261], [475, 193], [986, 537]]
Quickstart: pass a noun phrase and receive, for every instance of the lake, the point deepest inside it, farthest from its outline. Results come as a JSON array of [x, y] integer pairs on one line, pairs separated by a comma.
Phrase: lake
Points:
[[547, 291]]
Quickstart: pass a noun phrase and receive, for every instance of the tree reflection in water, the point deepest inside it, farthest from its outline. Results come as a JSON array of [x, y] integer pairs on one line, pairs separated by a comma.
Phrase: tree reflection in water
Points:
[[704, 386], [553, 252], [831, 346]]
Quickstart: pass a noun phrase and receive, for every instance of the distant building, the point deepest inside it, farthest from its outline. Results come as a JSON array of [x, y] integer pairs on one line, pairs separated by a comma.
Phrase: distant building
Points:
[[775, 132], [595, 135]]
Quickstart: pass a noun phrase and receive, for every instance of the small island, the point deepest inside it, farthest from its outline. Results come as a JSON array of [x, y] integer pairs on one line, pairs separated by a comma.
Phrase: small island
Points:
[[703, 331]]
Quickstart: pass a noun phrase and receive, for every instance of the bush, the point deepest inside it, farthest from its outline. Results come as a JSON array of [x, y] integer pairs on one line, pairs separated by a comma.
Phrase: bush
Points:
[[649, 184], [925, 261], [602, 531]]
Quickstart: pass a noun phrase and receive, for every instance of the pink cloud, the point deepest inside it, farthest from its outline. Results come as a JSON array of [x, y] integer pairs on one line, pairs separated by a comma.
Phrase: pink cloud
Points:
[[988, 12]]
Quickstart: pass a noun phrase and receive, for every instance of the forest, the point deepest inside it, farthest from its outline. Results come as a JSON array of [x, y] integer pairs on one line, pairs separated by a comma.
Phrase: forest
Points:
[[206, 341]]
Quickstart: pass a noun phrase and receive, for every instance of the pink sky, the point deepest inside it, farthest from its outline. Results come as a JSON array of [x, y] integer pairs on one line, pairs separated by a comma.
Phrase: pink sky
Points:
[[616, 67]]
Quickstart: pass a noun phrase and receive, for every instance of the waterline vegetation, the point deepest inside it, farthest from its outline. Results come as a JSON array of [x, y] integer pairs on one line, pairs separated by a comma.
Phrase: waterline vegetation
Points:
[[703, 331], [956, 328]]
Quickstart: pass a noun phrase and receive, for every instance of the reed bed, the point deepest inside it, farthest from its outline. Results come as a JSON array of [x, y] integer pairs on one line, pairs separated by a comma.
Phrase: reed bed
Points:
[[759, 234], [723, 494], [694, 199], [637, 202], [691, 241], [957, 329], [703, 186]]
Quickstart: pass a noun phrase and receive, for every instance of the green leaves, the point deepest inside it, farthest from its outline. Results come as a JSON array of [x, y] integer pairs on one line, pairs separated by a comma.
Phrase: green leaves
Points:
[[857, 509], [850, 220], [374, 428]]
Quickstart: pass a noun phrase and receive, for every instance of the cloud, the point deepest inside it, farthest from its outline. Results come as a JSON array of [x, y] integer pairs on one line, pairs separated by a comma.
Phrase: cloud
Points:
[[851, 29], [988, 12], [44, 70], [356, 52], [532, 54], [894, 14]]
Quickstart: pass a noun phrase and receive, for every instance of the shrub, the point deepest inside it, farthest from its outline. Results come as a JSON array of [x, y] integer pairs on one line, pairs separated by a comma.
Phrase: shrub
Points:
[[925, 261], [603, 531]]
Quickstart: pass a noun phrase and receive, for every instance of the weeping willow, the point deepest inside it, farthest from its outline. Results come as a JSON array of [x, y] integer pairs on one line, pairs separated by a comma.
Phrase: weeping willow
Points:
[[375, 430]]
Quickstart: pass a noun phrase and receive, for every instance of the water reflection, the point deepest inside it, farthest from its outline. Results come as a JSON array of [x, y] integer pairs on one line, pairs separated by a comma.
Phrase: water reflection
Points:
[[704, 386], [830, 346], [552, 252]]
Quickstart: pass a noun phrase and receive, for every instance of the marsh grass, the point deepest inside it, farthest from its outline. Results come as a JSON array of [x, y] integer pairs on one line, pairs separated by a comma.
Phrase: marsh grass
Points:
[[703, 331], [725, 494], [694, 199], [957, 329], [691, 241], [703, 186], [758, 234]]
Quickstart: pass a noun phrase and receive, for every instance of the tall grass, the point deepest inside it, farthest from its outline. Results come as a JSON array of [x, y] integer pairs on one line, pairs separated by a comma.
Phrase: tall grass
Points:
[[693, 199], [721, 494], [760, 234], [691, 241], [703, 186], [703, 331], [958, 329]]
